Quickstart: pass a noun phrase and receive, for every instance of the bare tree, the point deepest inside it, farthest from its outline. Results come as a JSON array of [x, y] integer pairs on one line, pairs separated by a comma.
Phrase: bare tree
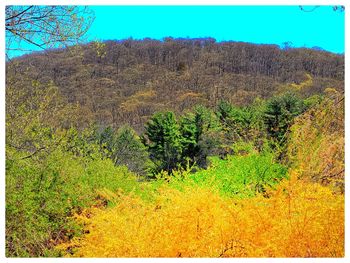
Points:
[[45, 26]]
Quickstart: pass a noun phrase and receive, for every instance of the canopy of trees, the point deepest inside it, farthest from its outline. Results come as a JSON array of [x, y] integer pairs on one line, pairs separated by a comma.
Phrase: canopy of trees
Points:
[[126, 81]]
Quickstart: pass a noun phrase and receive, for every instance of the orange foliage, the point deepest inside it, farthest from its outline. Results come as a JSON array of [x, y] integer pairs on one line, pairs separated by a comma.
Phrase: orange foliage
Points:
[[299, 219]]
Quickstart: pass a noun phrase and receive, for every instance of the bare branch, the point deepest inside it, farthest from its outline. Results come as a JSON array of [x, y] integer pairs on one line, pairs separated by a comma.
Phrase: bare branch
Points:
[[19, 14], [46, 26]]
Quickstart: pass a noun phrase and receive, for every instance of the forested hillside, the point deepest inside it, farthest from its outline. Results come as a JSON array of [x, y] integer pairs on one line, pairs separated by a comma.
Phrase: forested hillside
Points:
[[175, 148], [126, 81]]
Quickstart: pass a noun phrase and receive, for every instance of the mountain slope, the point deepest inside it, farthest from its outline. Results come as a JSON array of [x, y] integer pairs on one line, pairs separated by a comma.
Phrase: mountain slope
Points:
[[126, 81]]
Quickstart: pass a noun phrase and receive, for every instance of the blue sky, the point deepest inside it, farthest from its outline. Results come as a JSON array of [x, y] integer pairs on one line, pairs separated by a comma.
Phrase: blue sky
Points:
[[322, 27]]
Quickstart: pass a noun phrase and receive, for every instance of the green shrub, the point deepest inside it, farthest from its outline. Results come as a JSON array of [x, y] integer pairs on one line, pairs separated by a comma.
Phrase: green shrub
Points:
[[239, 175], [235, 120], [41, 194]]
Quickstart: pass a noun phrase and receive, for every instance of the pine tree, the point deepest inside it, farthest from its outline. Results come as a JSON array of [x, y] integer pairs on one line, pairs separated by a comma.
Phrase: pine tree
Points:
[[163, 140], [201, 135], [235, 121], [129, 151], [279, 114]]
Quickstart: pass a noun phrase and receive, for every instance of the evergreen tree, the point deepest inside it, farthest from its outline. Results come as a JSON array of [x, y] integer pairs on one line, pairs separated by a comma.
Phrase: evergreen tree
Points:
[[201, 135], [129, 151], [106, 139], [163, 140], [235, 121], [279, 114]]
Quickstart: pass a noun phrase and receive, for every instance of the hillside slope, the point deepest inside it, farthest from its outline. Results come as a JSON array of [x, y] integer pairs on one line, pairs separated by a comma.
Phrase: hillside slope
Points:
[[126, 81]]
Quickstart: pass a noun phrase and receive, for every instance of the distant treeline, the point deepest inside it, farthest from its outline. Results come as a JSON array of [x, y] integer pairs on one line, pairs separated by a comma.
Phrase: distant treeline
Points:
[[126, 81]]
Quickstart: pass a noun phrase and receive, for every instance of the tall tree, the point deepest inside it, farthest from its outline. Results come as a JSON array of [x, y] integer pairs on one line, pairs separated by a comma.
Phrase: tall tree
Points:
[[163, 139], [201, 135], [279, 114]]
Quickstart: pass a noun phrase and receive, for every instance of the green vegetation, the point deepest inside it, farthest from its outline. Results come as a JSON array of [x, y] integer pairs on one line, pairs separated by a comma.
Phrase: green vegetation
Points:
[[240, 175], [117, 124], [129, 151], [54, 170], [244, 175], [162, 139], [41, 195], [279, 114]]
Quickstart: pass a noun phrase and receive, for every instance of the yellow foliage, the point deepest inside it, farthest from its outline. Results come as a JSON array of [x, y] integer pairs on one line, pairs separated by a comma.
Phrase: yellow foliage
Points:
[[298, 87], [330, 91], [316, 145], [144, 94], [188, 95], [140, 98], [100, 48], [299, 219], [106, 82]]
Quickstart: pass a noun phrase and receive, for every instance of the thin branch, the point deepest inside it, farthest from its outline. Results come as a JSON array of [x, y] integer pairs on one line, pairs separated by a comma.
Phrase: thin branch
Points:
[[308, 11], [26, 39], [32, 154], [14, 16]]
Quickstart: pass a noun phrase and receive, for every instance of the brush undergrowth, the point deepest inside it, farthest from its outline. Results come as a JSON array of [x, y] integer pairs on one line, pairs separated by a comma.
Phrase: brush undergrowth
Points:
[[299, 219]]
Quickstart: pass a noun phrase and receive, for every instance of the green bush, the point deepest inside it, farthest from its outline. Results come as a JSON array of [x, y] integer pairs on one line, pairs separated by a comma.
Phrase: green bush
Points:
[[241, 175], [41, 195]]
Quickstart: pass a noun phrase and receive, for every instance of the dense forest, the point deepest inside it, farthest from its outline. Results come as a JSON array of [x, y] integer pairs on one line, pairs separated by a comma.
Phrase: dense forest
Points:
[[126, 81], [173, 148]]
